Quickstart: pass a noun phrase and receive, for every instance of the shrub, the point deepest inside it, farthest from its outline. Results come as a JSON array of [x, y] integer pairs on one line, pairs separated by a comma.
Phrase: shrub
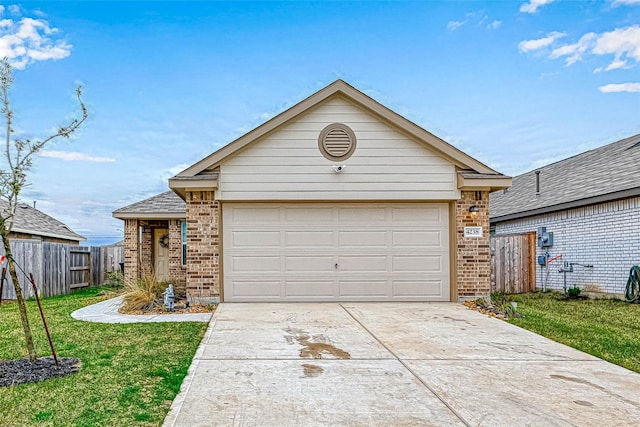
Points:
[[144, 293], [114, 278], [574, 293]]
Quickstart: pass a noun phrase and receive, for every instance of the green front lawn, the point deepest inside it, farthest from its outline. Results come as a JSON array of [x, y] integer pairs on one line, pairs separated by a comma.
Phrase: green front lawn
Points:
[[608, 329], [130, 372]]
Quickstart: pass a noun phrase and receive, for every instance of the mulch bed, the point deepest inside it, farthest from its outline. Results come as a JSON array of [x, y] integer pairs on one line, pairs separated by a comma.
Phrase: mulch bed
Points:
[[22, 371], [179, 308], [491, 310]]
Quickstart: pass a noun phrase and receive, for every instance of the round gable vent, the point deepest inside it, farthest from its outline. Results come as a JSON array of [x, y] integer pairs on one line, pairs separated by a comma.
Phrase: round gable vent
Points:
[[337, 142]]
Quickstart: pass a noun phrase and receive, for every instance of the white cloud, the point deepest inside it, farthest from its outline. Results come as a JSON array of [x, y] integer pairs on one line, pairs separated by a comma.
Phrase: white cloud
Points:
[[529, 45], [172, 171], [620, 87], [28, 40], [574, 52], [616, 64], [75, 156], [622, 43], [616, 3], [476, 18], [533, 5], [454, 25], [1, 9], [14, 9]]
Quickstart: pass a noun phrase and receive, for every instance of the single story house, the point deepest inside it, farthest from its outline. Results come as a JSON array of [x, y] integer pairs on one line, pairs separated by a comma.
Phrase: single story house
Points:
[[337, 198], [591, 204], [30, 223]]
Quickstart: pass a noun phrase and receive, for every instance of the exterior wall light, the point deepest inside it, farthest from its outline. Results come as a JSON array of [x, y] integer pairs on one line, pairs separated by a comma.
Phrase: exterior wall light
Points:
[[473, 211]]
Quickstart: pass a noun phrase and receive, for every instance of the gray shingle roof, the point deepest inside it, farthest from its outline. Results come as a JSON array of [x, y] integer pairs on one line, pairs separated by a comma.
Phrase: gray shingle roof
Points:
[[164, 205], [605, 173], [30, 220]]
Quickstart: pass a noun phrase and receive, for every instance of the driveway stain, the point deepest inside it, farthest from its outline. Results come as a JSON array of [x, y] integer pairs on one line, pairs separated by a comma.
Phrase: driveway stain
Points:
[[311, 370], [596, 386], [314, 350]]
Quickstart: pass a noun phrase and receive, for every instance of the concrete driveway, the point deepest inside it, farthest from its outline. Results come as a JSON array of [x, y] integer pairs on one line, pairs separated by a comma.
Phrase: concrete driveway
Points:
[[393, 364]]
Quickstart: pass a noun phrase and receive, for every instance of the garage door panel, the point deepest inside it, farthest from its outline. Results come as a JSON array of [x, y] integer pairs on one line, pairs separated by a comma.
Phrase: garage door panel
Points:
[[362, 263], [419, 214], [383, 252], [413, 263], [364, 238], [358, 288], [418, 288], [316, 288], [311, 264], [254, 288], [308, 239], [255, 239], [267, 264], [360, 215], [420, 239], [304, 215], [255, 214]]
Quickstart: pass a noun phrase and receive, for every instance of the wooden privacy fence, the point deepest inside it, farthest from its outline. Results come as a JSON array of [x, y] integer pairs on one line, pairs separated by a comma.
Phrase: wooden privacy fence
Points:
[[513, 263], [58, 268]]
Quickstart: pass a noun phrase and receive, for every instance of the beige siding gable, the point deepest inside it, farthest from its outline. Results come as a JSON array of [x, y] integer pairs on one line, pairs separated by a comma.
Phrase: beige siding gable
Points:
[[287, 164]]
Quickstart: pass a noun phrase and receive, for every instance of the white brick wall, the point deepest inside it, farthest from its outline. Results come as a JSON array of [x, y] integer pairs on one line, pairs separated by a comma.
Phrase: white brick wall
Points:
[[606, 235]]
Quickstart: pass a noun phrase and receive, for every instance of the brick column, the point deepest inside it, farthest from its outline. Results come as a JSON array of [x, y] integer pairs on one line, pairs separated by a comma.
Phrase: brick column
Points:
[[146, 248], [203, 247], [472, 253], [177, 272], [131, 254]]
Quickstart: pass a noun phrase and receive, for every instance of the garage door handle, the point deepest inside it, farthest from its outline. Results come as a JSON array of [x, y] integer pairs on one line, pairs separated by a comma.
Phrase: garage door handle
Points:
[[336, 266]]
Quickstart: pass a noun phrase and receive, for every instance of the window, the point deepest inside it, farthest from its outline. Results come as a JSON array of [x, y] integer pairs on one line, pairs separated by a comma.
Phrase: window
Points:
[[184, 242]]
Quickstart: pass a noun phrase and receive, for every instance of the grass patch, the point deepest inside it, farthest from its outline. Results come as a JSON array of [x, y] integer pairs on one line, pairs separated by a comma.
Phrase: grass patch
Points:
[[608, 329], [130, 372]]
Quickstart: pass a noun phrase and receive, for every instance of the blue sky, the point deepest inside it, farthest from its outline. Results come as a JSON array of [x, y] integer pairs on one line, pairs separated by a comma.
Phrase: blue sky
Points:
[[515, 84]]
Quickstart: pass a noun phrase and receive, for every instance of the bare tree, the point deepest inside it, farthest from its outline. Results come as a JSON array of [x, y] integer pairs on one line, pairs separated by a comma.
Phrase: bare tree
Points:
[[14, 165]]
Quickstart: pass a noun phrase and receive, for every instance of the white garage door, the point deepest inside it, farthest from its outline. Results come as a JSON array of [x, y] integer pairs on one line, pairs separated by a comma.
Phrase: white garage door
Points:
[[335, 252]]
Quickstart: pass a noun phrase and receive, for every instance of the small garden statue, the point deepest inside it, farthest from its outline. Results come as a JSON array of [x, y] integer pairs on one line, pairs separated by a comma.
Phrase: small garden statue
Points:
[[169, 298]]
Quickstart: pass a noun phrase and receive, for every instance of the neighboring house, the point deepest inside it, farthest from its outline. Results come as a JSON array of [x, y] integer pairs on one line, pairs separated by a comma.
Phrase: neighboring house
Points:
[[337, 198], [591, 204], [30, 223]]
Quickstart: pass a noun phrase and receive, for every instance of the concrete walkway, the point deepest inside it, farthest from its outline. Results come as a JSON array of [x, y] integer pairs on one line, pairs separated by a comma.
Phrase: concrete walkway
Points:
[[107, 312], [393, 364]]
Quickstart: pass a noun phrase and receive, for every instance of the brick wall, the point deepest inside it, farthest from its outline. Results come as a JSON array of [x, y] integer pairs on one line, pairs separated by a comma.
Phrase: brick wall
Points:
[[472, 253], [606, 235], [177, 271], [131, 254], [203, 247]]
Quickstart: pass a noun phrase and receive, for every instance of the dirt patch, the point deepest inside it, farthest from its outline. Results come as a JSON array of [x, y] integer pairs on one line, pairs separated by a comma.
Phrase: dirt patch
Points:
[[22, 371], [315, 350], [312, 370]]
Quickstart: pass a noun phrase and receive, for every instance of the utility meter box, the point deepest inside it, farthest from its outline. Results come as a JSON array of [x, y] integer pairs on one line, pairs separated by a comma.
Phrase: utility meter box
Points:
[[545, 238]]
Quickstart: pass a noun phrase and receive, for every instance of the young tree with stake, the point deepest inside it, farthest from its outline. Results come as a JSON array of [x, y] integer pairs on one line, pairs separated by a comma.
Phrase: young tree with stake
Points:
[[15, 162]]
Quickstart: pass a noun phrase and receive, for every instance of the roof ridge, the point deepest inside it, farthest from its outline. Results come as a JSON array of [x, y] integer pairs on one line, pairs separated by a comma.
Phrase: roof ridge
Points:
[[566, 159]]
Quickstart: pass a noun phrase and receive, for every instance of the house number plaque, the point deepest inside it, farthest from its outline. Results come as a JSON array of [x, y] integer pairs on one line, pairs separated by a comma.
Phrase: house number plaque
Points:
[[473, 232]]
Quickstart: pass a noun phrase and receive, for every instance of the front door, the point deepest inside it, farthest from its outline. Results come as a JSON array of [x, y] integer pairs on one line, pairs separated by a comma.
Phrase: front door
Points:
[[161, 253]]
